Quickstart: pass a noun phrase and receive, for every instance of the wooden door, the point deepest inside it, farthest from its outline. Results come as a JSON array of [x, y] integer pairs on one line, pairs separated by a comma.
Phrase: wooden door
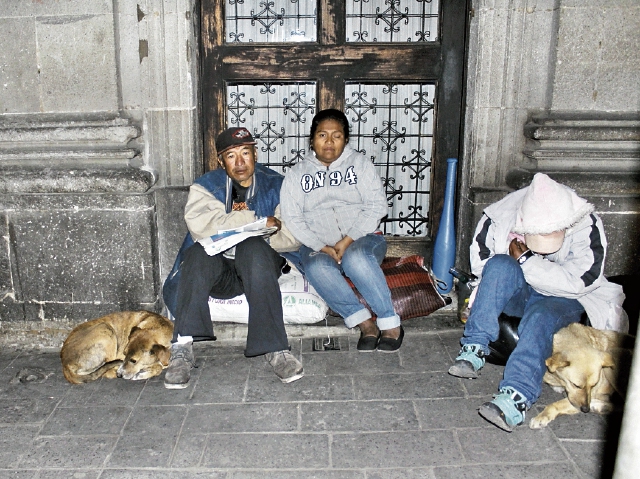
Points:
[[383, 62]]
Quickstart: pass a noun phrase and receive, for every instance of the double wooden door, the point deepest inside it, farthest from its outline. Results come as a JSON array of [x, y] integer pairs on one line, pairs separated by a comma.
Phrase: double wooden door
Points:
[[396, 67]]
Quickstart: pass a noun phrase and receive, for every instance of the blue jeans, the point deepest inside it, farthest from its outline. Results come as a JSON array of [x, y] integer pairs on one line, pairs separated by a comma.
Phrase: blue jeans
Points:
[[361, 264], [503, 289]]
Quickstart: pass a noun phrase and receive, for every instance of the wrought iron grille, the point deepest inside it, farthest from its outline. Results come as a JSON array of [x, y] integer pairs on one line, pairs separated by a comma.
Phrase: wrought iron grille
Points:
[[395, 21], [390, 123], [279, 117], [393, 125], [270, 21]]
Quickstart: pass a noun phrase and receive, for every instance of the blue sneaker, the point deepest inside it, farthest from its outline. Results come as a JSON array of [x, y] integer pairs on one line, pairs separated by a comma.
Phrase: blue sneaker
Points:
[[506, 410], [469, 362]]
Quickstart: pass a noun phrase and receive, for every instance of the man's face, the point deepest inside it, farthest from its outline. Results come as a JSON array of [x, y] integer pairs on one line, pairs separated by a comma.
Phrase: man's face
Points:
[[239, 162]]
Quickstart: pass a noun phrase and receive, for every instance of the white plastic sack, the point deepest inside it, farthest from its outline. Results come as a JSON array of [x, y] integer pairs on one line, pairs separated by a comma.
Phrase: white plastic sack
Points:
[[300, 303]]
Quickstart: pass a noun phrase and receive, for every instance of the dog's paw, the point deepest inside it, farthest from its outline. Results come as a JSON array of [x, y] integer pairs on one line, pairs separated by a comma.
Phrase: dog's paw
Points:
[[539, 422], [601, 407]]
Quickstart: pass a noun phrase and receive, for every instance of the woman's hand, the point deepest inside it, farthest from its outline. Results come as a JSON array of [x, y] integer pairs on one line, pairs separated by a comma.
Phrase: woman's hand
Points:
[[330, 250], [341, 246]]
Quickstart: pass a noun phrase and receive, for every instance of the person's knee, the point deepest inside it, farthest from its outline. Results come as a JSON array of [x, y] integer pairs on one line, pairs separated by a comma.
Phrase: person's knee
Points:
[[353, 256], [363, 252], [501, 261], [255, 245], [254, 255], [501, 264], [359, 264]]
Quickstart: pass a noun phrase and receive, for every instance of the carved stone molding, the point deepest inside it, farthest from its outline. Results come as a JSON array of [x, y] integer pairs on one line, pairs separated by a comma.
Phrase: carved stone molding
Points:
[[579, 143], [66, 154]]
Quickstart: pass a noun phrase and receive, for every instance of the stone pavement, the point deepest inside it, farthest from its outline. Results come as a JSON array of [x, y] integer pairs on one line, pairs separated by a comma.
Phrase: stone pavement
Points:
[[353, 415]]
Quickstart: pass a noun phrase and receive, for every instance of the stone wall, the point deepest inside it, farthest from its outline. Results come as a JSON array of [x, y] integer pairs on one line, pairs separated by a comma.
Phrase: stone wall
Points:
[[99, 136], [552, 87]]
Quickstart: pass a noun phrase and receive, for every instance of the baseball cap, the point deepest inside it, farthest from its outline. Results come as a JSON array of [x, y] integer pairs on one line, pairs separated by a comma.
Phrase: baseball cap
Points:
[[233, 137]]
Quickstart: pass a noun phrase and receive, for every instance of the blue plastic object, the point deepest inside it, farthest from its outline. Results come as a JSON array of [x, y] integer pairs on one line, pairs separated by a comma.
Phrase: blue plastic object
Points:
[[444, 250]]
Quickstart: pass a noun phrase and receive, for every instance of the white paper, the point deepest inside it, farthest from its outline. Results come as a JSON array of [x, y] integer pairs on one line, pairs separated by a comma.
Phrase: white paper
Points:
[[226, 239]]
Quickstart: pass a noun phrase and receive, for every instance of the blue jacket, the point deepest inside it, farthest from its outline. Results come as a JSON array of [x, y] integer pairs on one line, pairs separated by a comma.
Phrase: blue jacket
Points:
[[262, 198]]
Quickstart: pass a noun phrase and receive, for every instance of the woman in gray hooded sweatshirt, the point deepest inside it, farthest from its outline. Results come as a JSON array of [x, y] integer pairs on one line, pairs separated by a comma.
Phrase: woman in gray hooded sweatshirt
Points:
[[332, 202]]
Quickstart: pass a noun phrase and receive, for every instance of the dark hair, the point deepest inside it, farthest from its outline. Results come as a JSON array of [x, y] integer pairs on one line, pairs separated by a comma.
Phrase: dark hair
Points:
[[329, 114]]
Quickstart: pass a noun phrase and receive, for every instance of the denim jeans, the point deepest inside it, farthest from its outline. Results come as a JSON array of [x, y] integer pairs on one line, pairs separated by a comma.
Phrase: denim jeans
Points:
[[361, 264], [503, 289]]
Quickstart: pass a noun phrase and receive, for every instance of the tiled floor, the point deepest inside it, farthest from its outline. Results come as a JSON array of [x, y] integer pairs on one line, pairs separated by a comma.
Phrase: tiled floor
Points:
[[353, 415]]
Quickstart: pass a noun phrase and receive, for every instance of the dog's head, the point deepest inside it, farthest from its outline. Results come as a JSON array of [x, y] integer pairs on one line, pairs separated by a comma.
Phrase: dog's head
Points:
[[579, 370], [144, 357]]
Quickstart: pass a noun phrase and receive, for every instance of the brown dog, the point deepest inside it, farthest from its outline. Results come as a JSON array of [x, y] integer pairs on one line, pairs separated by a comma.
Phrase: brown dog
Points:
[[130, 344], [589, 365]]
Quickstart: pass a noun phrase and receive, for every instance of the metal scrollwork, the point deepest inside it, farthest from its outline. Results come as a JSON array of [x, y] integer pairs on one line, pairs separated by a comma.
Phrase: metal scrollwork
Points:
[[397, 21], [273, 21], [392, 124], [277, 115]]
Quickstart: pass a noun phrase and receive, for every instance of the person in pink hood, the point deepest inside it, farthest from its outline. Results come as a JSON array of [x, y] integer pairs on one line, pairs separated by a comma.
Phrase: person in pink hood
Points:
[[540, 255]]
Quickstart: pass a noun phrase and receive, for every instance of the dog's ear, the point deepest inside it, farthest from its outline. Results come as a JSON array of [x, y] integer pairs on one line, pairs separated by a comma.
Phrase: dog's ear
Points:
[[162, 353], [555, 362], [608, 361], [133, 330]]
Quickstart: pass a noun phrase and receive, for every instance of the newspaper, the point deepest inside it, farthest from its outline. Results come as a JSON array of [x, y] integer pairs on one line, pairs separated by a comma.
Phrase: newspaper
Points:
[[226, 240]]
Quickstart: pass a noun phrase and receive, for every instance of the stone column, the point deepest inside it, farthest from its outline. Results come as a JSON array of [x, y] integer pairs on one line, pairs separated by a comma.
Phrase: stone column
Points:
[[552, 87], [158, 63], [511, 60]]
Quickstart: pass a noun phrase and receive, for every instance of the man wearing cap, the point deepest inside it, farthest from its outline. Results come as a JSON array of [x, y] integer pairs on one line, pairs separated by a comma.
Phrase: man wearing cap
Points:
[[539, 254], [238, 193]]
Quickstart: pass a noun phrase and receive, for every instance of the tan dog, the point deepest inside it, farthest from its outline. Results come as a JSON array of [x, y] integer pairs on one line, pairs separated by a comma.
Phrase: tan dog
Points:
[[589, 365], [130, 344]]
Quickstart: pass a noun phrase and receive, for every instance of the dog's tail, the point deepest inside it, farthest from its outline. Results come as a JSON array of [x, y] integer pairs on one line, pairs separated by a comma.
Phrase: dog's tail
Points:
[[92, 376]]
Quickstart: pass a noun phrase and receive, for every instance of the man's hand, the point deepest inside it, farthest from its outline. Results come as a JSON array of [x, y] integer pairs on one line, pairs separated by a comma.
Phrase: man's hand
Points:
[[341, 246], [273, 221], [330, 250], [517, 248]]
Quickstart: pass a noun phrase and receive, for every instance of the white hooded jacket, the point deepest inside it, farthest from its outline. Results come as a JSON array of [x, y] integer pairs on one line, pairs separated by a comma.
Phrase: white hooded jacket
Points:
[[576, 270]]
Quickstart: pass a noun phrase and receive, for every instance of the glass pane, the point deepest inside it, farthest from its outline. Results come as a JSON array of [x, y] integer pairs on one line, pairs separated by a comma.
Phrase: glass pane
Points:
[[270, 21], [393, 125], [279, 117], [395, 21]]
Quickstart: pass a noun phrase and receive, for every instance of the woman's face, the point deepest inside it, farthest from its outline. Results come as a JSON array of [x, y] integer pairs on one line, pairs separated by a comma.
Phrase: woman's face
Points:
[[329, 141]]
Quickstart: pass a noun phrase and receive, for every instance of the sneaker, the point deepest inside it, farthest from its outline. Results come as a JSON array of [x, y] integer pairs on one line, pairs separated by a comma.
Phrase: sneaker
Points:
[[506, 410], [180, 364], [285, 365], [469, 362]]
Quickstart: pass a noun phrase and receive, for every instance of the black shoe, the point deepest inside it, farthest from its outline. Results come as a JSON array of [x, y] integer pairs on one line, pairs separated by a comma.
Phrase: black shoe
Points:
[[366, 344], [390, 345]]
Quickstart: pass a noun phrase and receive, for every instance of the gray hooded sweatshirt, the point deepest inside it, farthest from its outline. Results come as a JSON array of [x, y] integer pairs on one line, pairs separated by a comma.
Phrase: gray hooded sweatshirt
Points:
[[321, 205]]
